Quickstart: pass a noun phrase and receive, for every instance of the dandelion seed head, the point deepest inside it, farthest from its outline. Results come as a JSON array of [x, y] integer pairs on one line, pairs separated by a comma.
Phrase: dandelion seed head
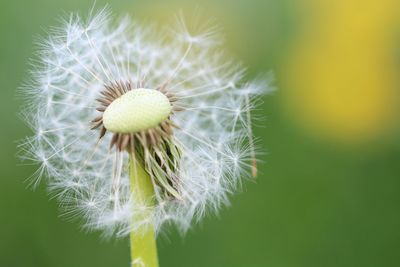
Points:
[[196, 135]]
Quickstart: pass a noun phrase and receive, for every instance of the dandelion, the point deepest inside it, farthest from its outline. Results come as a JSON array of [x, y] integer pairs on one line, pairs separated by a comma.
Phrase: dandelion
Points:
[[139, 126]]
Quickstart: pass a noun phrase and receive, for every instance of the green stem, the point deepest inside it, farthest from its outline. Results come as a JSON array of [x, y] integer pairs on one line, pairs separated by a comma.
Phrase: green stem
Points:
[[143, 239]]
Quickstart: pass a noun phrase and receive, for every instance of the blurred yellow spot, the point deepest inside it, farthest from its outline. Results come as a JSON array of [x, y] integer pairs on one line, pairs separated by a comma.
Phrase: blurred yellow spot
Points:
[[342, 77]]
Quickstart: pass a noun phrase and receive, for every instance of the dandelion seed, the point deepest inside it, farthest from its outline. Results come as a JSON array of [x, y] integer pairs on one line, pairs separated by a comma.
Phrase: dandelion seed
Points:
[[137, 127]]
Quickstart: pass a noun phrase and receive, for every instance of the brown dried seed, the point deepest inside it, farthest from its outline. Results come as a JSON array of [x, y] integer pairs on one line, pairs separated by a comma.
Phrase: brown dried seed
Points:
[[113, 140], [97, 119], [178, 109], [96, 125], [124, 141], [103, 101], [102, 132]]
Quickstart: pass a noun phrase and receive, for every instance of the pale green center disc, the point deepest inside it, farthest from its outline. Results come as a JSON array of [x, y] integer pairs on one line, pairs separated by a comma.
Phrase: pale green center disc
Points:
[[136, 111]]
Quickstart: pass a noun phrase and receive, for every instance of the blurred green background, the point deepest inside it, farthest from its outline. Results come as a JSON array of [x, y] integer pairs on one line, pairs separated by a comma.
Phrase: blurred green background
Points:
[[329, 190]]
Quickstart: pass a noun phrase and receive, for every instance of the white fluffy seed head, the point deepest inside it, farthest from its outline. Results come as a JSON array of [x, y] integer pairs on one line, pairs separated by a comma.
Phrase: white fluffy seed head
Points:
[[136, 111], [214, 127]]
